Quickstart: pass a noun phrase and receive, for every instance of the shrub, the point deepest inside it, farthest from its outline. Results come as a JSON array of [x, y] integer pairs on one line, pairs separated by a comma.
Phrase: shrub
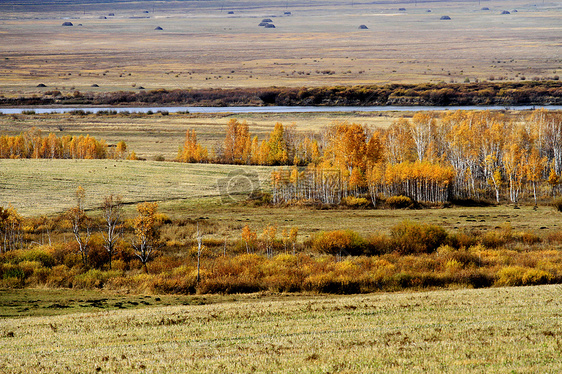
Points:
[[399, 202], [409, 238], [510, 276], [536, 276], [229, 284], [12, 271], [557, 204], [61, 277], [94, 278], [378, 244], [341, 242], [355, 202], [174, 284], [42, 255], [463, 257]]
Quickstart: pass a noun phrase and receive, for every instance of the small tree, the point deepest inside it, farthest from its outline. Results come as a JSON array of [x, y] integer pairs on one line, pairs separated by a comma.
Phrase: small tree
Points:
[[199, 249], [81, 225], [146, 232], [268, 236], [249, 237], [112, 212], [293, 238], [10, 229]]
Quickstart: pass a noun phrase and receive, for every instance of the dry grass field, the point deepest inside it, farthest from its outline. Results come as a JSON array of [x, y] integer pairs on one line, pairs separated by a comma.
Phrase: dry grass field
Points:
[[319, 43], [497, 330]]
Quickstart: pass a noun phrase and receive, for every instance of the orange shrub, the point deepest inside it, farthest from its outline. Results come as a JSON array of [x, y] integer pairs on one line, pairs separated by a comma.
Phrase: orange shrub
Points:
[[408, 237]]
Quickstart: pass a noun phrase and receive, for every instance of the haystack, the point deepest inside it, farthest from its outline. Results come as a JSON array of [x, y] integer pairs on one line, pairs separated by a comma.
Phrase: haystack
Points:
[[363, 27], [505, 12], [485, 8], [270, 26], [67, 24], [41, 85], [266, 20], [443, 18], [158, 28]]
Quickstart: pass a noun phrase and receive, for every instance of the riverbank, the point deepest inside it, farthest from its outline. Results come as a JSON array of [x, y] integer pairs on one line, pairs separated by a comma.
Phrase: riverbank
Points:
[[506, 94]]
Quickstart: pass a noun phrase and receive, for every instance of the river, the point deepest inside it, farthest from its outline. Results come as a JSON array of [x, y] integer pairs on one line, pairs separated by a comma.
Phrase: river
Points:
[[269, 109]]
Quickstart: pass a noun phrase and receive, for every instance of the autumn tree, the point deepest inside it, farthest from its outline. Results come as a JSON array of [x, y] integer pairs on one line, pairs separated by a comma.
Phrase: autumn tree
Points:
[[237, 143], [146, 233], [249, 237], [268, 238], [10, 229], [535, 168], [422, 129], [278, 153], [192, 151]]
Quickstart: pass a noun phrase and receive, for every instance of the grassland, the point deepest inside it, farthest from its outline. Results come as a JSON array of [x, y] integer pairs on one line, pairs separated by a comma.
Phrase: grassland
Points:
[[494, 330], [319, 43], [36, 187], [201, 46]]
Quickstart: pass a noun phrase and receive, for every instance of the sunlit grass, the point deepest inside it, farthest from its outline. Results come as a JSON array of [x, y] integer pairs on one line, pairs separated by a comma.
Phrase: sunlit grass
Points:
[[492, 330]]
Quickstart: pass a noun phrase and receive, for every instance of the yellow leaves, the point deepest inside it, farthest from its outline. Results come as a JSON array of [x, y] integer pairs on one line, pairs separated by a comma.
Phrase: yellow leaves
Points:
[[237, 144], [192, 151]]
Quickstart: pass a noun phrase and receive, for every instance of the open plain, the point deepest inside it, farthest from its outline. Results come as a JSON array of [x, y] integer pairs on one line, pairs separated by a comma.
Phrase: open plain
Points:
[[113, 46]]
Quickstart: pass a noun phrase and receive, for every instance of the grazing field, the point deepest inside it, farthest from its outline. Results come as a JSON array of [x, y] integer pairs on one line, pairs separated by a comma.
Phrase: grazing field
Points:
[[493, 330], [203, 45]]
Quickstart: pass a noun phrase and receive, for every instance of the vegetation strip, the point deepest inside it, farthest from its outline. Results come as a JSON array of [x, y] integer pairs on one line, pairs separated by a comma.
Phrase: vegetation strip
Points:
[[485, 93]]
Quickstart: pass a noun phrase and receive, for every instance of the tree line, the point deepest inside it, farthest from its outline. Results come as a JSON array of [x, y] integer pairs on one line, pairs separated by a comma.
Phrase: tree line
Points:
[[481, 93], [32, 144], [431, 157]]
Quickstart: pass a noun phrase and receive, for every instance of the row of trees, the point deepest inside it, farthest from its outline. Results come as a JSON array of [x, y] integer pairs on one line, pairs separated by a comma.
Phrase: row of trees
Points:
[[284, 146], [431, 157], [32, 144]]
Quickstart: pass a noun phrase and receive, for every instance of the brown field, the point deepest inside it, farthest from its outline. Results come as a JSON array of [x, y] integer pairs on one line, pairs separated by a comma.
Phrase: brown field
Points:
[[203, 46]]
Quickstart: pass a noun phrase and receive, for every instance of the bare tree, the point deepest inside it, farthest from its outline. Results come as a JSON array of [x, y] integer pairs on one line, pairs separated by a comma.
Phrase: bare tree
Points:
[[81, 227], [199, 249], [112, 215]]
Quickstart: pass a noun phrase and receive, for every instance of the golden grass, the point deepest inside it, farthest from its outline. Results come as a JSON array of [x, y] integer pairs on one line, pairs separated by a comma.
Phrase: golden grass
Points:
[[202, 46], [494, 330]]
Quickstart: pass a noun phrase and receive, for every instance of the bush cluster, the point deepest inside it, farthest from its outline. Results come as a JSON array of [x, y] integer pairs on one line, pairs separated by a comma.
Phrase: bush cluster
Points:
[[413, 255]]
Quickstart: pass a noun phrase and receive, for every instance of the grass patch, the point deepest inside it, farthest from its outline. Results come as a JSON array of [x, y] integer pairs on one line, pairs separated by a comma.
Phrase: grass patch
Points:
[[413, 332]]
